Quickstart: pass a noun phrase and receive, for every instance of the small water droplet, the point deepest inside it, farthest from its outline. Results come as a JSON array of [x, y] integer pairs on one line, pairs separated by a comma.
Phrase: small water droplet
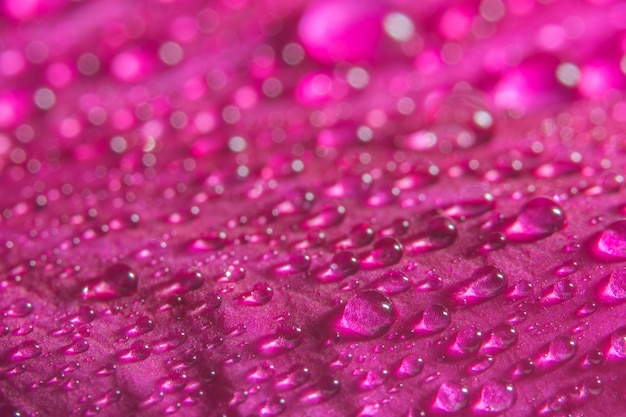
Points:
[[341, 266], [328, 217], [137, 352], [24, 351], [434, 319], [368, 314], [566, 268], [273, 406], [539, 218], [480, 365], [432, 282], [392, 282], [559, 351], [613, 288], [522, 289], [261, 294], [142, 326], [410, 366], [372, 379], [287, 337], [325, 389], [500, 338], [451, 397], [398, 227], [212, 241], [386, 252], [184, 282], [485, 283], [20, 308], [261, 373], [470, 208], [359, 236], [79, 346], [297, 376], [496, 397], [441, 233], [233, 273], [117, 281], [524, 368], [299, 262], [562, 290]]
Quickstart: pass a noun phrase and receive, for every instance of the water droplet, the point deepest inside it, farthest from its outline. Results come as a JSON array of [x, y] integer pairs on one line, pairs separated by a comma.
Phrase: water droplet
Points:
[[20, 308], [451, 397], [24, 351], [360, 235], [287, 337], [85, 314], [480, 365], [392, 282], [467, 341], [368, 314], [524, 368], [539, 218], [470, 208], [501, 338], [566, 268], [79, 346], [233, 273], [372, 379], [142, 326], [137, 352], [117, 281], [441, 233], [297, 201], [610, 244], [299, 262], [496, 397], [184, 282], [341, 266], [432, 282], [617, 348], [558, 351], [434, 319], [522, 289], [560, 291], [387, 251], [485, 283], [261, 373], [273, 406], [297, 376], [212, 241], [592, 358], [325, 389], [261, 294], [613, 288], [410, 366], [328, 217]]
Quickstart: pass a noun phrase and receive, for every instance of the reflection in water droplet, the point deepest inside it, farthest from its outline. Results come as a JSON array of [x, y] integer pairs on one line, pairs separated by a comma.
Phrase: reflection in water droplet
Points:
[[386, 252], [538, 219], [117, 281], [451, 397], [496, 397], [441, 233], [434, 319], [368, 314], [485, 283]]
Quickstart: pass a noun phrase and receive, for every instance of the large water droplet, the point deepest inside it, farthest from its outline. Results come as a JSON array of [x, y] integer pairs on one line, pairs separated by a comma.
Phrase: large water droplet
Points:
[[441, 233], [434, 319], [368, 314], [560, 291], [387, 251], [610, 244], [451, 397], [496, 397], [117, 281], [501, 338], [20, 308], [485, 283], [467, 341], [538, 219]]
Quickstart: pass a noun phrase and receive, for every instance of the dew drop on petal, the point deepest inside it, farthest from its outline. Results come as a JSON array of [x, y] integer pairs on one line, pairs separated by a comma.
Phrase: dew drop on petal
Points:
[[451, 397], [24, 351], [485, 283], [501, 338], [117, 281], [137, 352], [434, 319], [20, 308], [261, 294], [613, 288], [496, 397], [539, 218], [559, 351], [297, 376], [342, 265], [610, 244], [410, 366], [386, 252], [368, 314], [323, 390], [617, 347], [392, 282], [441, 233]]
